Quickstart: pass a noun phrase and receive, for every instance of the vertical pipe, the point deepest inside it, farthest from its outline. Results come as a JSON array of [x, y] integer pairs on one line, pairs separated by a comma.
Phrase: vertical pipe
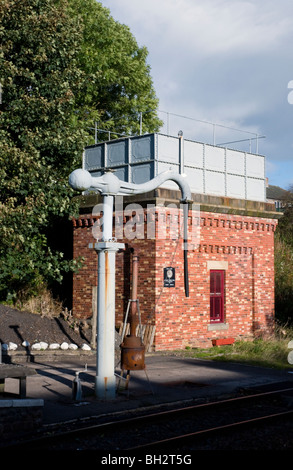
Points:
[[181, 153], [105, 383], [94, 317], [108, 202], [133, 316], [134, 276], [185, 248], [105, 367], [253, 292]]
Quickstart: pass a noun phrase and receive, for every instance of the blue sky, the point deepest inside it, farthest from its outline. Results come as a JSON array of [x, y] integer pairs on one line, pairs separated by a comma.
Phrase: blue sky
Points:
[[228, 62]]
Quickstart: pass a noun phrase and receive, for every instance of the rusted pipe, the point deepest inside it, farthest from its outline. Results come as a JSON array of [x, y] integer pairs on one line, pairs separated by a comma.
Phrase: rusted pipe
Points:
[[132, 348], [133, 320]]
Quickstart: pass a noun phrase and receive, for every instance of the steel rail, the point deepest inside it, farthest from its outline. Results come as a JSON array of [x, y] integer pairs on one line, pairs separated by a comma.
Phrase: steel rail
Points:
[[184, 437], [144, 419]]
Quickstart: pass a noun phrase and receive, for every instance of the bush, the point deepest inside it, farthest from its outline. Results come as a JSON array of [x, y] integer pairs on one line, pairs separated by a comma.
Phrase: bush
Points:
[[43, 304]]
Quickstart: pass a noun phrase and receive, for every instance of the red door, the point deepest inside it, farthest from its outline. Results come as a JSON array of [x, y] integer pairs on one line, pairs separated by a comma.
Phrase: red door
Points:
[[217, 281]]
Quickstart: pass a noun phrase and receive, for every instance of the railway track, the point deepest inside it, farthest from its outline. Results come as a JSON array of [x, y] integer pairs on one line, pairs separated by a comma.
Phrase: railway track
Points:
[[255, 421]]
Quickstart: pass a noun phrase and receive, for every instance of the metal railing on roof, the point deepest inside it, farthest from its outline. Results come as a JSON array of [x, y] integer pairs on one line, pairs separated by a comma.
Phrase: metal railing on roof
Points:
[[253, 136]]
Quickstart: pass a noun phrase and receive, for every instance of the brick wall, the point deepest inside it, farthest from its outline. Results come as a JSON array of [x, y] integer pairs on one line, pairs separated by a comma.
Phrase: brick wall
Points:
[[241, 244], [244, 248]]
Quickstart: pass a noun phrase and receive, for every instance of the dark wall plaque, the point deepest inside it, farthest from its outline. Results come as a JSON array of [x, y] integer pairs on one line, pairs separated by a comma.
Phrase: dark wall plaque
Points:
[[169, 277]]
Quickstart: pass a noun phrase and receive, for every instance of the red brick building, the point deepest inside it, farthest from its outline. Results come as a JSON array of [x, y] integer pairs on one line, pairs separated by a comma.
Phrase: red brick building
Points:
[[230, 267]]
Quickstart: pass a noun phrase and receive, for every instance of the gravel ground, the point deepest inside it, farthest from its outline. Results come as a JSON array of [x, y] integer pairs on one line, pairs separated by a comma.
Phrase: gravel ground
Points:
[[17, 326]]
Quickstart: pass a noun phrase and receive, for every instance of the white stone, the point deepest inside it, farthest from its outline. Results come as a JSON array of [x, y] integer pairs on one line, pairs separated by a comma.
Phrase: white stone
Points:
[[25, 344], [290, 357], [73, 347], [290, 344], [12, 346], [64, 346], [85, 347], [40, 346], [54, 346]]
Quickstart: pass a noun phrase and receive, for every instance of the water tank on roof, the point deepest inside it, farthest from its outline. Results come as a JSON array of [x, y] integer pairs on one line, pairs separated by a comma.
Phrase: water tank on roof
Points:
[[209, 169]]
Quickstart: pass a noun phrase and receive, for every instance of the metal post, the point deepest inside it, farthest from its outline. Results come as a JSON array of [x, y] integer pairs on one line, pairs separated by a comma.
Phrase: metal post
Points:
[[105, 382], [108, 201], [181, 153]]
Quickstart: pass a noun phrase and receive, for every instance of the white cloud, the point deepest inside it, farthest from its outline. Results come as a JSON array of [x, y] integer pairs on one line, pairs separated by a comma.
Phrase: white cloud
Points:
[[207, 27], [226, 61]]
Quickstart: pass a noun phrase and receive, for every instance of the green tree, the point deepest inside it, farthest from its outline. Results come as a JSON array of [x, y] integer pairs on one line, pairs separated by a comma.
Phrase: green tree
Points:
[[63, 65], [40, 78], [284, 264], [118, 85], [40, 140]]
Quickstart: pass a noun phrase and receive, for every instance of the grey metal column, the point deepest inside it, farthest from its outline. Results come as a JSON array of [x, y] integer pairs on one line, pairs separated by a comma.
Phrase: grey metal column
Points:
[[105, 382]]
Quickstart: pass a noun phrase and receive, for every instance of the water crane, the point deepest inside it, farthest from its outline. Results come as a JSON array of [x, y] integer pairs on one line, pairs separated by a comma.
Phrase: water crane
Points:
[[110, 186]]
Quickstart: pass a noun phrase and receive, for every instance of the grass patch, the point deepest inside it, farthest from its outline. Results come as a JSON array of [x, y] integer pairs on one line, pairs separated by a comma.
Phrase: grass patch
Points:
[[272, 352]]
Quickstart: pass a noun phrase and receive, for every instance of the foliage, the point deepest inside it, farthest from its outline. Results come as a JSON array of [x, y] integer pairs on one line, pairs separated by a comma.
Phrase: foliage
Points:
[[118, 85], [43, 304], [284, 266], [283, 280], [63, 65], [40, 143], [39, 77]]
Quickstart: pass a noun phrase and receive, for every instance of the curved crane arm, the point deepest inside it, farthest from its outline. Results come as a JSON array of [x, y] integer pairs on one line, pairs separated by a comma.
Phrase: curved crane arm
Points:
[[130, 188], [110, 184]]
